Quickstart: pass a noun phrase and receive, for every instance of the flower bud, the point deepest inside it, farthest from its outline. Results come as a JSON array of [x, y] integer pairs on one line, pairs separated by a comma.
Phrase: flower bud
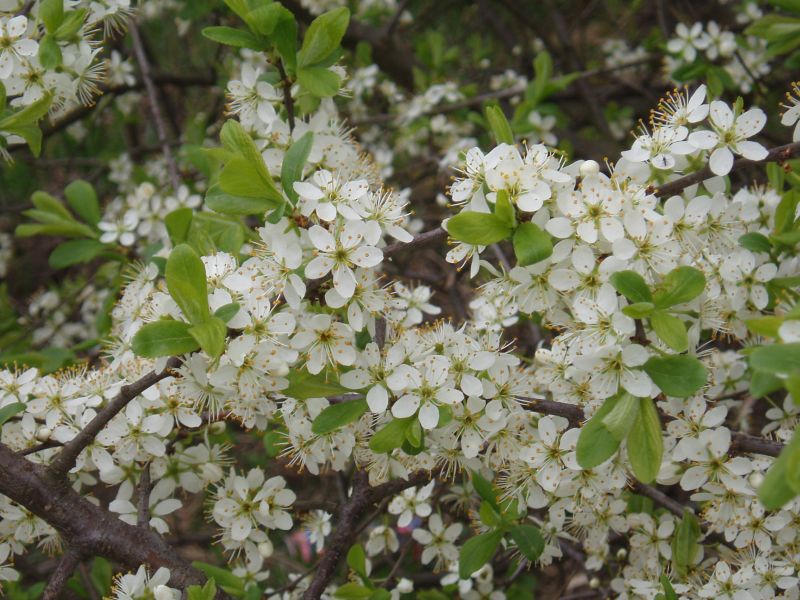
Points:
[[43, 434], [594, 583], [217, 428], [622, 554], [589, 167], [756, 479], [281, 371], [162, 592], [265, 549]]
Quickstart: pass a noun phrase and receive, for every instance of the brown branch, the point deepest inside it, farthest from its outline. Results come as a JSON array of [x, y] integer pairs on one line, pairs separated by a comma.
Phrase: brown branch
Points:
[[777, 154], [143, 513], [66, 567], [362, 496], [741, 443], [658, 497], [65, 459], [152, 95], [88, 529], [288, 102]]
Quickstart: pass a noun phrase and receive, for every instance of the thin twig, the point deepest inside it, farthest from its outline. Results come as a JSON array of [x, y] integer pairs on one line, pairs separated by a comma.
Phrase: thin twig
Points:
[[55, 585], [288, 101], [152, 95], [143, 517], [65, 459]]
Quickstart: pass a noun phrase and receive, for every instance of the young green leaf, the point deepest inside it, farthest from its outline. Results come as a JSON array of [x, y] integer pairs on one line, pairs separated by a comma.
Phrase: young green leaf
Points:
[[186, 281], [357, 560], [210, 334], [74, 252], [480, 229], [756, 242], [679, 376], [82, 198], [323, 36], [178, 223], [777, 359], [293, 163], [631, 285], [9, 410], [338, 415], [49, 52], [639, 310], [504, 209], [52, 13], [684, 542], [529, 540], [319, 81], [645, 445], [499, 125], [477, 551], [235, 37], [678, 286], [595, 443], [227, 311], [163, 338], [304, 385], [531, 244], [670, 329], [231, 204], [621, 417], [390, 436], [485, 489], [352, 591]]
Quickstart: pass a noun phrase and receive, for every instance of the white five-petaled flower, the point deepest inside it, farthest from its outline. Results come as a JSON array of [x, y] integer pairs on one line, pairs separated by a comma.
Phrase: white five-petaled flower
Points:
[[340, 255], [438, 540], [428, 388], [730, 135], [13, 44], [327, 195]]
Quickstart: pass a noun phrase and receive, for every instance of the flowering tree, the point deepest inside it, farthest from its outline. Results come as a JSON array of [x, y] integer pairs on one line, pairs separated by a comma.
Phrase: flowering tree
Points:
[[601, 373]]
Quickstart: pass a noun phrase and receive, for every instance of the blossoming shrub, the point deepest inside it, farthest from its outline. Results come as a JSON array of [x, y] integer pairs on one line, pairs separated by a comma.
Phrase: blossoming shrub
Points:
[[248, 351]]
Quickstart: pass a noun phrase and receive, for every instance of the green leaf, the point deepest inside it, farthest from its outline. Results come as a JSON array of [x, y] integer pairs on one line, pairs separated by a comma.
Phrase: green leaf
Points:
[[669, 592], [9, 410], [784, 212], [678, 286], [304, 385], [357, 560], [238, 141], [338, 415], [631, 285], [531, 244], [207, 592], [101, 575], [71, 25], [323, 36], [29, 114], [776, 489], [229, 582], [762, 384], [230, 204], [235, 37], [178, 223], [82, 198], [163, 338], [671, 330], [49, 52], [679, 376], [489, 516], [485, 489], [755, 242], [684, 543], [529, 540], [595, 443], [543, 66], [352, 590], [765, 326], [74, 252], [504, 210], [240, 177], [224, 233], [210, 334], [227, 311], [645, 445], [319, 81], [621, 417], [294, 161], [777, 359], [47, 203], [186, 281], [30, 133], [390, 436], [639, 310], [478, 228], [52, 13], [477, 551], [499, 125]]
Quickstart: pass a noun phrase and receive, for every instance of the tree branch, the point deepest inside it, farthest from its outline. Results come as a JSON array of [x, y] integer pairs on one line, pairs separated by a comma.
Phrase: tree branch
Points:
[[152, 95], [361, 497], [777, 154], [55, 585], [65, 459]]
